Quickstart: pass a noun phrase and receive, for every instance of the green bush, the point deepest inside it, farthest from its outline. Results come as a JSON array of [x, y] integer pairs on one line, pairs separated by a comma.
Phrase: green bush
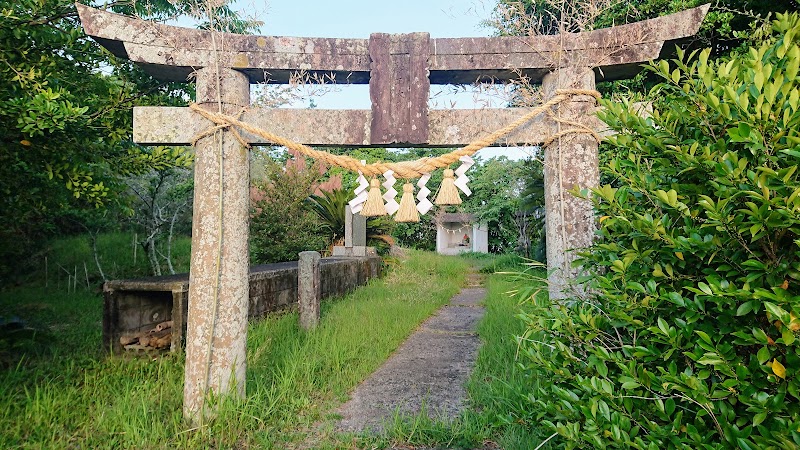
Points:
[[689, 338], [281, 225]]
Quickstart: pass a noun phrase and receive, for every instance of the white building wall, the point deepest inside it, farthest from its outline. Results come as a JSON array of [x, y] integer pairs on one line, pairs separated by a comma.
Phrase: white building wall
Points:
[[480, 238], [441, 240], [448, 243]]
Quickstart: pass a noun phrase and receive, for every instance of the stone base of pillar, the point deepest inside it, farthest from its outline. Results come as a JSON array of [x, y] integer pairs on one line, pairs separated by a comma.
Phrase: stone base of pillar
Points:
[[309, 289], [357, 251]]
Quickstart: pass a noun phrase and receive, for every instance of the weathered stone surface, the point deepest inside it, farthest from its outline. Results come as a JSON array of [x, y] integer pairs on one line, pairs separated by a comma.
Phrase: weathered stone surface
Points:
[[172, 53], [359, 230], [399, 88], [309, 289], [357, 251], [348, 226], [570, 162], [218, 279], [131, 305], [342, 128], [614, 52]]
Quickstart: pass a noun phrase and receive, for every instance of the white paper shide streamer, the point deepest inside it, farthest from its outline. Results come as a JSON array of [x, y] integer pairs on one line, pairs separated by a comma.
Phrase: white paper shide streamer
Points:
[[463, 179], [391, 203], [423, 204], [361, 191]]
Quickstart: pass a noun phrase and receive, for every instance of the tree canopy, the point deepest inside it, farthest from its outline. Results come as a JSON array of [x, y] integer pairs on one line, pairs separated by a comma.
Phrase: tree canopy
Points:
[[65, 114]]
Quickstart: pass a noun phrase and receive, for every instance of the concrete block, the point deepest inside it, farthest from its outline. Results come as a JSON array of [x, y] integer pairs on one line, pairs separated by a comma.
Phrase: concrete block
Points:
[[309, 289], [134, 305], [359, 230], [354, 252], [348, 226]]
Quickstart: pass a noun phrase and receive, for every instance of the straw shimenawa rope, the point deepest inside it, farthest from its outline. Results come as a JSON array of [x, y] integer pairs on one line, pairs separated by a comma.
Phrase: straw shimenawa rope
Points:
[[404, 169]]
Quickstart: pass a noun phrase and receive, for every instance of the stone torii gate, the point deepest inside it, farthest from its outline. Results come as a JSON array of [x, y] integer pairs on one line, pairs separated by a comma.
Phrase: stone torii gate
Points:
[[399, 69]]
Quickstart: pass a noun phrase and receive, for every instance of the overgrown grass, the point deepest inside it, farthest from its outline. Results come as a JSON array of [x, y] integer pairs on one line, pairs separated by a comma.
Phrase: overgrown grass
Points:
[[60, 392], [66, 258], [71, 397], [488, 263], [499, 411]]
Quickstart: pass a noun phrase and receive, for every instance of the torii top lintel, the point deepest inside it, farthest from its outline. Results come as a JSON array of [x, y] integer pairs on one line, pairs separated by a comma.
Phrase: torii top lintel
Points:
[[399, 68], [173, 53]]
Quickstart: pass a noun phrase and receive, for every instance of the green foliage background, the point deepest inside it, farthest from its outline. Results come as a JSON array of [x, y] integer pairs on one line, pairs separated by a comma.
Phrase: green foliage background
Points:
[[281, 223], [689, 336], [65, 114]]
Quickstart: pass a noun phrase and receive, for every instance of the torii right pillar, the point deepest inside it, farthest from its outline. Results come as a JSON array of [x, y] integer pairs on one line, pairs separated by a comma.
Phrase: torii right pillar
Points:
[[569, 161]]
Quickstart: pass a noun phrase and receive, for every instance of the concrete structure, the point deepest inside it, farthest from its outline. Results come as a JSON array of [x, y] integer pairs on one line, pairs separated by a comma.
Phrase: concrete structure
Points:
[[428, 372], [400, 69], [216, 344], [355, 236], [355, 229], [459, 233], [309, 289], [135, 305]]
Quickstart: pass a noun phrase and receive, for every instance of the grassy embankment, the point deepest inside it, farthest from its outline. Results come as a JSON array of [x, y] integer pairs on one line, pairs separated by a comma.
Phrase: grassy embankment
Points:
[[59, 391]]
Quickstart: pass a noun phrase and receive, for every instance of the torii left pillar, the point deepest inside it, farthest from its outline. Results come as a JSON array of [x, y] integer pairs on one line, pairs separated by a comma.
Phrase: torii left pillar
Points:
[[216, 334]]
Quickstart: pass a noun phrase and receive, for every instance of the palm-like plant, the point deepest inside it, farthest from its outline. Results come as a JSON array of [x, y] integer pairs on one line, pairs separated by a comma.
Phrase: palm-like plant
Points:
[[330, 207]]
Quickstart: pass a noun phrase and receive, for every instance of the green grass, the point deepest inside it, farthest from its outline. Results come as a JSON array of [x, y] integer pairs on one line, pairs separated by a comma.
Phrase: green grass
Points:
[[66, 257], [488, 263], [57, 390], [499, 409], [66, 395]]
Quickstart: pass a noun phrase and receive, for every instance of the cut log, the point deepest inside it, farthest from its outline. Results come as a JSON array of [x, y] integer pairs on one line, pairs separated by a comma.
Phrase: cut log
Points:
[[163, 326], [158, 334], [127, 339], [162, 342], [150, 338], [135, 347]]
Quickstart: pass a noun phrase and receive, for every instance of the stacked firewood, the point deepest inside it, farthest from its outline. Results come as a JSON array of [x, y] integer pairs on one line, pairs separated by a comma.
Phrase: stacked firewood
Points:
[[158, 338]]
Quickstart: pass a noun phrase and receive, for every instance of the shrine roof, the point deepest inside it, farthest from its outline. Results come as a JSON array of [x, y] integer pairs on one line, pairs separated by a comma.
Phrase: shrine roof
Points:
[[457, 218]]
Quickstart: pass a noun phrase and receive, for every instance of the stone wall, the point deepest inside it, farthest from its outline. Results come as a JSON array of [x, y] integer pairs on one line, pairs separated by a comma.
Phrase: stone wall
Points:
[[131, 306]]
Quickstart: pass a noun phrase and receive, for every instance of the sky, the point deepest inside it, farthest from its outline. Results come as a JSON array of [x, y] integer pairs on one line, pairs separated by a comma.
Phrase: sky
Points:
[[359, 18]]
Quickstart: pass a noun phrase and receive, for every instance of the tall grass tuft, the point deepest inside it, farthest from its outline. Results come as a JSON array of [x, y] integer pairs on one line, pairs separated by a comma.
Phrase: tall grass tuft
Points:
[[119, 255]]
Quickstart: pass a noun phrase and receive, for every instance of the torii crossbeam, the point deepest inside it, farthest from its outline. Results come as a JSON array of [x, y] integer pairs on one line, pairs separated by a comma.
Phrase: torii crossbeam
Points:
[[399, 70]]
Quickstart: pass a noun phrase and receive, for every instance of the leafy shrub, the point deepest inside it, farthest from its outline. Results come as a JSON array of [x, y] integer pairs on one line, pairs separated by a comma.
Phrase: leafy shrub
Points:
[[280, 222], [418, 235], [689, 338]]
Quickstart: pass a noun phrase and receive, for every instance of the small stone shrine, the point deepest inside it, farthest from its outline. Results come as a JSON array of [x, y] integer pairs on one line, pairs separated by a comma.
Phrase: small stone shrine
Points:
[[458, 233]]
